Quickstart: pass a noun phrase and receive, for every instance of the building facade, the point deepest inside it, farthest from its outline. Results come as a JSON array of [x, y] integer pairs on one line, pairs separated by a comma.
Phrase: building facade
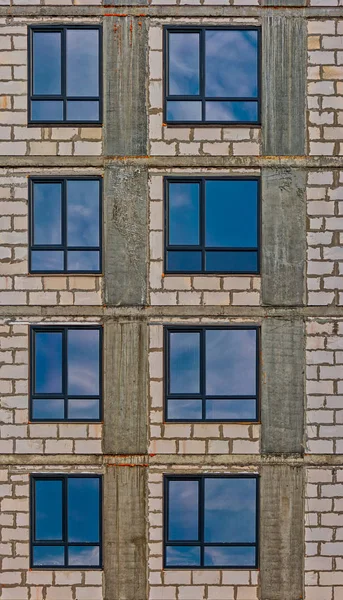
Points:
[[112, 130]]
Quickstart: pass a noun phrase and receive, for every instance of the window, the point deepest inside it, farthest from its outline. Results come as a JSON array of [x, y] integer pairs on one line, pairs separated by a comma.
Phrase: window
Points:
[[212, 75], [66, 368], [211, 373], [65, 225], [66, 521], [65, 75], [212, 225], [211, 521]]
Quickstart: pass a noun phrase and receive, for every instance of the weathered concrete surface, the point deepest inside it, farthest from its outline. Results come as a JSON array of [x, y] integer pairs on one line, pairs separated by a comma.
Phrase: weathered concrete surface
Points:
[[125, 538], [283, 236], [282, 385], [284, 63], [125, 89], [125, 402], [281, 532], [125, 229], [285, 3]]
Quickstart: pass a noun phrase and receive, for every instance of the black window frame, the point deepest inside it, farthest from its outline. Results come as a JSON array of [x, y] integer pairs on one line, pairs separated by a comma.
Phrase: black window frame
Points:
[[202, 74], [201, 329], [201, 510], [63, 96], [64, 224], [64, 395], [201, 180], [64, 477]]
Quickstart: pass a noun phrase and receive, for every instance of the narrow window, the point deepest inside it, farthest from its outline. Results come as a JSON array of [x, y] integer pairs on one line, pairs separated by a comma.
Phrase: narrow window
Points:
[[66, 521], [212, 225], [66, 382], [211, 521], [65, 75], [65, 225], [211, 374], [212, 75]]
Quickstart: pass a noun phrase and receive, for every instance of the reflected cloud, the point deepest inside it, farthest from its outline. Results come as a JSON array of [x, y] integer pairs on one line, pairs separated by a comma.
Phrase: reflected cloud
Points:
[[184, 362], [183, 63], [83, 362], [84, 555]]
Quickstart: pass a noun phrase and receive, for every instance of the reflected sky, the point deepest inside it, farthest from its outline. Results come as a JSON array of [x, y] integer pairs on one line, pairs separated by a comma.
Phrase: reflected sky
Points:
[[82, 62], [182, 556], [221, 410], [184, 213], [184, 409], [82, 111], [184, 362], [83, 409], [83, 361], [183, 518], [184, 63], [48, 502], [83, 199], [227, 556], [47, 260], [231, 111], [231, 261], [83, 509], [48, 363], [48, 409], [46, 62], [48, 555], [47, 212], [47, 110], [84, 555], [83, 260], [178, 110]]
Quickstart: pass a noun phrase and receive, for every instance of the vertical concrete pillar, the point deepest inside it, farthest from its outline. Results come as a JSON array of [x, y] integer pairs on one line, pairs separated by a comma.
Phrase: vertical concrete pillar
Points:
[[125, 224], [282, 386], [125, 533], [282, 532], [125, 89], [283, 236], [125, 404], [284, 62]]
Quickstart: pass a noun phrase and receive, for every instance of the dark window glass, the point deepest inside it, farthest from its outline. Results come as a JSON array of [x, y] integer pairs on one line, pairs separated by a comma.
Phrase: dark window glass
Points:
[[65, 226], [211, 374], [66, 521], [65, 67], [212, 75], [226, 534], [212, 226], [66, 373]]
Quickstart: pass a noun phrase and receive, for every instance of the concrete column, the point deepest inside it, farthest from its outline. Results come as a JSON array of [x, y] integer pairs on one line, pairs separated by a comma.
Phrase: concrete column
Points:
[[282, 386], [125, 89], [126, 232], [282, 532], [125, 533], [125, 404], [283, 236], [284, 63]]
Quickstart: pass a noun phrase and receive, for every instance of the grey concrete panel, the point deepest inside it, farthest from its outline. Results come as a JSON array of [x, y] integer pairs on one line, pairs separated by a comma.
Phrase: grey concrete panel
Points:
[[125, 374], [125, 89], [284, 64], [125, 539], [283, 236], [281, 533], [285, 3], [125, 225], [282, 385]]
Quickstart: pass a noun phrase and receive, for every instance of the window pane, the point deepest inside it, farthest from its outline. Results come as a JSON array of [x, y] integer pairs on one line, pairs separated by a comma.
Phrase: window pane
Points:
[[231, 261], [48, 362], [184, 409], [231, 213], [184, 213], [46, 62], [83, 260], [46, 556], [83, 409], [47, 260], [184, 363], [229, 556], [231, 63], [230, 510], [231, 362], [183, 110], [231, 112], [83, 509], [183, 515], [79, 556], [48, 510], [82, 62], [187, 261], [221, 410], [47, 212], [48, 409], [83, 362], [83, 212], [47, 110], [83, 111], [184, 64], [182, 556]]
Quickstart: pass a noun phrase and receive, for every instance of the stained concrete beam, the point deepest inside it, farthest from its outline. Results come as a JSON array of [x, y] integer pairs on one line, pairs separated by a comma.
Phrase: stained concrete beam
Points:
[[281, 532], [284, 63], [282, 386], [284, 3], [125, 225], [125, 538], [283, 236], [125, 89], [125, 402]]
